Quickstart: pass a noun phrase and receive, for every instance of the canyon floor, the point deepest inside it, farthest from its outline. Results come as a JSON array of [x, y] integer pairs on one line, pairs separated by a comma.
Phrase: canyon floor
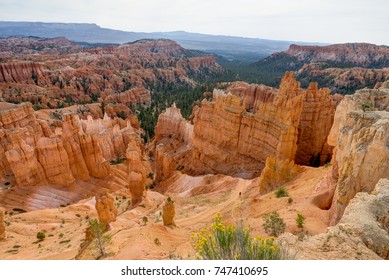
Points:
[[197, 201]]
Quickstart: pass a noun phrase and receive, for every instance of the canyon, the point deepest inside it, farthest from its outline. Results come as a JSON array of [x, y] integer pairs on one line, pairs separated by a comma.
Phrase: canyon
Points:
[[241, 127], [56, 73], [73, 151]]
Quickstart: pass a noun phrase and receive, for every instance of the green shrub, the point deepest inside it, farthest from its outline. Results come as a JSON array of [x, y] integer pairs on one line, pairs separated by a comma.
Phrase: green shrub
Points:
[[300, 220], [273, 224], [281, 192], [231, 242], [41, 236], [366, 107]]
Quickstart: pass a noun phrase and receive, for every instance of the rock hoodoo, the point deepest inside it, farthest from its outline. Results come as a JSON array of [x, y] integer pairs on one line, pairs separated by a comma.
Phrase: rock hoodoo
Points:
[[37, 154], [105, 206], [136, 173], [168, 213]]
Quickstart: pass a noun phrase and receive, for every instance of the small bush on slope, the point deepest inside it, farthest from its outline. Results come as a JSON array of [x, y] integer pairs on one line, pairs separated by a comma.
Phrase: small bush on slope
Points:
[[231, 242], [273, 224]]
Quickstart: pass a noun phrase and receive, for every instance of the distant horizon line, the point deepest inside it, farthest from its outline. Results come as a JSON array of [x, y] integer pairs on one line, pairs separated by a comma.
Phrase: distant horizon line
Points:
[[190, 32], [177, 31]]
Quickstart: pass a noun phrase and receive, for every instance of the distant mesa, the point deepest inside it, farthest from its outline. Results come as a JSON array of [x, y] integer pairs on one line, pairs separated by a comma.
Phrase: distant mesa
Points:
[[343, 68]]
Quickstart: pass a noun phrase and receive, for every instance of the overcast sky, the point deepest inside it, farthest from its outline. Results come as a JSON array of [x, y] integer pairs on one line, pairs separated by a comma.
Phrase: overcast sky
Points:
[[330, 21]]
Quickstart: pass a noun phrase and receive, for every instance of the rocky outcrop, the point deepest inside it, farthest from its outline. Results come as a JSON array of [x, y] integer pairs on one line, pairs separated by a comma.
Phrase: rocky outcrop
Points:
[[132, 96], [276, 173], [2, 226], [230, 140], [359, 54], [21, 72], [105, 206], [315, 124], [136, 173], [362, 232], [168, 213], [171, 124], [25, 165], [344, 80], [102, 74], [52, 155], [362, 139], [252, 94], [173, 138], [35, 45], [237, 131], [325, 189], [77, 149]]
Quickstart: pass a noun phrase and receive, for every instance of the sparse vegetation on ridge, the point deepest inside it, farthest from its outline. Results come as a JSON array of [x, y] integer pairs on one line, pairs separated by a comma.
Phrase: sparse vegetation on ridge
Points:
[[233, 242], [281, 192], [273, 225]]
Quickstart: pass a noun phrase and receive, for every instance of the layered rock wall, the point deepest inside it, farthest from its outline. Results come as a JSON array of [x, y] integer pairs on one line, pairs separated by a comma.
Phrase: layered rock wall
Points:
[[37, 155], [315, 124], [362, 233], [21, 72], [173, 138], [230, 140], [237, 131], [362, 139]]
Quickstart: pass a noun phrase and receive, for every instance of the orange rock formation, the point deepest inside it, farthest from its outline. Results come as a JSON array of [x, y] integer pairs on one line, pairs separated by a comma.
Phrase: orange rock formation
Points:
[[361, 139], [136, 173], [235, 133], [174, 136], [106, 208], [109, 74], [168, 213], [276, 173], [2, 226], [36, 154], [315, 124]]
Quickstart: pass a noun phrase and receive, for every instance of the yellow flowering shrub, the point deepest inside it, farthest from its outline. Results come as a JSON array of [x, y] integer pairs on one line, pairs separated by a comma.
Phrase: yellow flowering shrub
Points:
[[229, 242]]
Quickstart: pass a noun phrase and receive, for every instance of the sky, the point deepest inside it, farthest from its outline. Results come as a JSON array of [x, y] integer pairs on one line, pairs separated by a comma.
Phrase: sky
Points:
[[330, 21]]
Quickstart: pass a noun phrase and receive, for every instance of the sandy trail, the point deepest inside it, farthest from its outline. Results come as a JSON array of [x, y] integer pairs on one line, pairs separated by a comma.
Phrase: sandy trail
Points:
[[233, 201]]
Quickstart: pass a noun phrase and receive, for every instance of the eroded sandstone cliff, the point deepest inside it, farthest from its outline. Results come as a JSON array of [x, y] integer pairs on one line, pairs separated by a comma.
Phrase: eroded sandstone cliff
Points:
[[360, 133], [239, 129], [70, 74], [362, 232], [36, 154]]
